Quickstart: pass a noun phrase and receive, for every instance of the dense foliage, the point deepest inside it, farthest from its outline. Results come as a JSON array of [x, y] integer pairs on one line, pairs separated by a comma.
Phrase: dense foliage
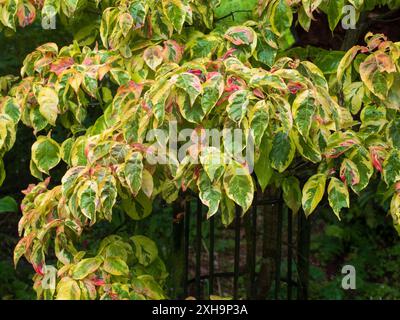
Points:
[[136, 66]]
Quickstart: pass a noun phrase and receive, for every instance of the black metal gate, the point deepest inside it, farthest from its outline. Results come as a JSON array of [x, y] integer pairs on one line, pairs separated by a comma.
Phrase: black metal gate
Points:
[[289, 242]]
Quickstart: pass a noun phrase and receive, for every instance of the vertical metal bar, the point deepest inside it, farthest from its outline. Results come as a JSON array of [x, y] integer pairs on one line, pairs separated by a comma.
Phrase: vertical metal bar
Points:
[[278, 253], [298, 251], [237, 253], [304, 228], [254, 250], [250, 236], [186, 247], [198, 249], [289, 253], [177, 261], [211, 258]]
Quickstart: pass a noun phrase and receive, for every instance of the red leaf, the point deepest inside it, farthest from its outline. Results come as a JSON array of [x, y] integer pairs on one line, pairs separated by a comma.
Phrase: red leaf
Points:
[[376, 157], [258, 93], [98, 282], [62, 64], [26, 14], [294, 87], [229, 53], [196, 72], [38, 268]]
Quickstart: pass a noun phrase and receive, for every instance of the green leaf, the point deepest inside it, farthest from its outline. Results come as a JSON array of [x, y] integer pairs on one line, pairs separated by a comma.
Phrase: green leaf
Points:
[[391, 167], [241, 35], [266, 49], [306, 147], [304, 19], [145, 284], [137, 208], [395, 210], [373, 118], [115, 266], [328, 61], [393, 133], [45, 154], [281, 17], [283, 111], [34, 170], [12, 108], [313, 192], [145, 249], [213, 162], [37, 120], [259, 119], [346, 62], [169, 191], [262, 167], [68, 289], [2, 172], [69, 7], [227, 210], [338, 196], [86, 267], [238, 185], [78, 157], [373, 75], [138, 11], [267, 79], [237, 105], [116, 249], [9, 11], [361, 158], [353, 95], [133, 171], [283, 150], [48, 104], [213, 89], [190, 84], [175, 11], [88, 199], [191, 113], [147, 183], [65, 151], [210, 194], [292, 193], [303, 109], [8, 204], [333, 9], [357, 3]]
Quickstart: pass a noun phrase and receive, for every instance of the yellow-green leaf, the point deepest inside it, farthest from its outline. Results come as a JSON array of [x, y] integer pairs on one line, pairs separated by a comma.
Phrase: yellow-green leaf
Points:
[[45, 154], [86, 267], [48, 104], [313, 192], [68, 289], [238, 185], [338, 196]]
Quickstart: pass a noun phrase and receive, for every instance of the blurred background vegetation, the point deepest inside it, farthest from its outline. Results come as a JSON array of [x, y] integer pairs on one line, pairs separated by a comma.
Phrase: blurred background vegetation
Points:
[[364, 238]]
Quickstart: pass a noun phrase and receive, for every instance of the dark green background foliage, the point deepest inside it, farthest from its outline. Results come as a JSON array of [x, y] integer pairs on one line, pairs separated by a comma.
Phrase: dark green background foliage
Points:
[[364, 238]]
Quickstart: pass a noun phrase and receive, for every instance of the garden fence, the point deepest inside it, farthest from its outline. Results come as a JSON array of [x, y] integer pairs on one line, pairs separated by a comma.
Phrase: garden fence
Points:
[[285, 251]]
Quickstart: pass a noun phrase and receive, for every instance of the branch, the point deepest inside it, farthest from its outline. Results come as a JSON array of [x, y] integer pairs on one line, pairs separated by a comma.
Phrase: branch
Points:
[[232, 14]]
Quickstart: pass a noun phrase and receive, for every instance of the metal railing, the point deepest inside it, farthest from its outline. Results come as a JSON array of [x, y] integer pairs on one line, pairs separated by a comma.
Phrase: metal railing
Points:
[[283, 253]]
